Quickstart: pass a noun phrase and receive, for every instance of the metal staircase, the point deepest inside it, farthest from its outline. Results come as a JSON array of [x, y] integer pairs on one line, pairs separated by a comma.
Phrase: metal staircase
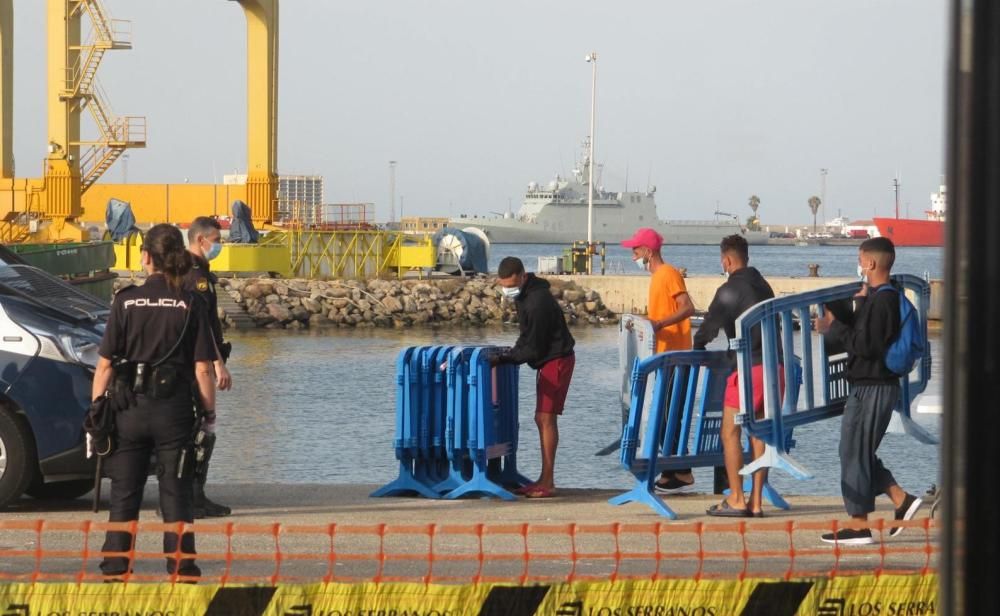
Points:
[[117, 133]]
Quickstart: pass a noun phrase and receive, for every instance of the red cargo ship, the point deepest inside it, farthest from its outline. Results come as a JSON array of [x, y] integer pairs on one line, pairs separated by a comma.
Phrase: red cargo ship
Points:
[[915, 231]]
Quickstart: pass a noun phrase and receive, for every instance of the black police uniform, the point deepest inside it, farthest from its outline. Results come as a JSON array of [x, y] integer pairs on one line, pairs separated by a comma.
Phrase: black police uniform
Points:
[[146, 322], [201, 281]]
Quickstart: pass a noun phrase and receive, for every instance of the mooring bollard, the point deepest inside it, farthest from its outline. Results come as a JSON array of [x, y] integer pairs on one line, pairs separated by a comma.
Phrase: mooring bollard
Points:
[[814, 270]]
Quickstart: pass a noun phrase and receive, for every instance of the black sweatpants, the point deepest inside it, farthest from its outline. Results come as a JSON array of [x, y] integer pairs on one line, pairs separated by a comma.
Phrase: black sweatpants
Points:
[[866, 418], [164, 427]]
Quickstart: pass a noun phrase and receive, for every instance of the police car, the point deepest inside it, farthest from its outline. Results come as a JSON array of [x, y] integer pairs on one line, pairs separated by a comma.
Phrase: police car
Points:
[[49, 336]]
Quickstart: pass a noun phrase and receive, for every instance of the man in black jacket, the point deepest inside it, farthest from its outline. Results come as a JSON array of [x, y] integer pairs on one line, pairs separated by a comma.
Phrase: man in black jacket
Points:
[[867, 334], [546, 345], [744, 288]]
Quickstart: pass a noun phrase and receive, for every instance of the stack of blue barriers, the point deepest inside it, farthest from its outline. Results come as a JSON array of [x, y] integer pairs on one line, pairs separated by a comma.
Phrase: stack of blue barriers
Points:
[[456, 424]]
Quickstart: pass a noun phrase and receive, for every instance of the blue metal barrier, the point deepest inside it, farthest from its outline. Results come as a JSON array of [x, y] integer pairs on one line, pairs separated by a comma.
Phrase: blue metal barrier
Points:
[[688, 389], [636, 340], [456, 424], [824, 375], [405, 441], [688, 386]]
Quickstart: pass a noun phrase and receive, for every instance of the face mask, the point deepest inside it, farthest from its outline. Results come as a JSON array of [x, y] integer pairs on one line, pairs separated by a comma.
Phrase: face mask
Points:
[[213, 251], [861, 273], [642, 263], [510, 292]]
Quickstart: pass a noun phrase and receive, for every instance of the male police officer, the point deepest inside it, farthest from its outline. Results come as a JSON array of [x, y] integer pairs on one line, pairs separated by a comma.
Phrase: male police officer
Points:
[[204, 244]]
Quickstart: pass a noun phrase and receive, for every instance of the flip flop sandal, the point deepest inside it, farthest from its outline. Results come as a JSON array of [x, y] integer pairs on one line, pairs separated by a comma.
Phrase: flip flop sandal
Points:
[[539, 492], [725, 510], [523, 489]]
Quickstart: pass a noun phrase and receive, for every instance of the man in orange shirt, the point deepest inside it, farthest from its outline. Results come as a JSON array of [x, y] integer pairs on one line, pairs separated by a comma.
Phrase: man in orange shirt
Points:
[[669, 310]]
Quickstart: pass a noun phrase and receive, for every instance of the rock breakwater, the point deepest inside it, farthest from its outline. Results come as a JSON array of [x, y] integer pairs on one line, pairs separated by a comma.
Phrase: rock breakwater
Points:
[[297, 303]]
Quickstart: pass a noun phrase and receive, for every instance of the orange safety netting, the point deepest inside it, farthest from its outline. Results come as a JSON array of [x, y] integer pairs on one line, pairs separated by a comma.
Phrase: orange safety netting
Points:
[[44, 551]]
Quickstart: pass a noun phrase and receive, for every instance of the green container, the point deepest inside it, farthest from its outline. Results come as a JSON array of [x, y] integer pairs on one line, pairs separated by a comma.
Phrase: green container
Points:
[[68, 259], [85, 265]]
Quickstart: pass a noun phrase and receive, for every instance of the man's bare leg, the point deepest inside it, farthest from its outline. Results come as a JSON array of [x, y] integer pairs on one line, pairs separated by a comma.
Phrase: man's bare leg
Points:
[[894, 492], [548, 437], [897, 494], [732, 450], [759, 477]]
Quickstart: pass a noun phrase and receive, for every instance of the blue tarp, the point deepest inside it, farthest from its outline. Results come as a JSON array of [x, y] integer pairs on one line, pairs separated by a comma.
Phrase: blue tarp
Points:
[[241, 229], [473, 257], [120, 219]]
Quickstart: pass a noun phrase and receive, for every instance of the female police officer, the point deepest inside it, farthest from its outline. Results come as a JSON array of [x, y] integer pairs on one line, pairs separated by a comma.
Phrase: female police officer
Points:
[[160, 340]]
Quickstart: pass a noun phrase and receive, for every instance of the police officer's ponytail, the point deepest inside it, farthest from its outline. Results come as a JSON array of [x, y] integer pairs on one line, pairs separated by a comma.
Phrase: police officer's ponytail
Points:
[[165, 246]]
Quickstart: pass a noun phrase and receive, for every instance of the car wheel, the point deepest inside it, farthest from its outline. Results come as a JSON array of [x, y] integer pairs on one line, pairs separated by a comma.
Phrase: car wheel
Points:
[[60, 490], [17, 457]]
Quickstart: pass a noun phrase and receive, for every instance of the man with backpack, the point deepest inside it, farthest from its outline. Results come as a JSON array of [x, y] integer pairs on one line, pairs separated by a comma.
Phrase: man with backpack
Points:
[[879, 338]]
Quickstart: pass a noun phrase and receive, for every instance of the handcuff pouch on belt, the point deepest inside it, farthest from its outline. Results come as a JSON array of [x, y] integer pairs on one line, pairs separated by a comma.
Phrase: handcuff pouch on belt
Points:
[[155, 381]]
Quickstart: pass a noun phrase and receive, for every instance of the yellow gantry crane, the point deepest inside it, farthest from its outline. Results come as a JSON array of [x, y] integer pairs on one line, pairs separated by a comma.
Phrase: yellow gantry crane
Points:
[[48, 209], [262, 108]]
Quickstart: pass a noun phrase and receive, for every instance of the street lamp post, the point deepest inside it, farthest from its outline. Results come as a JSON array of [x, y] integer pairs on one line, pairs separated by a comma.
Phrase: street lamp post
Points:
[[592, 59], [822, 193], [392, 191]]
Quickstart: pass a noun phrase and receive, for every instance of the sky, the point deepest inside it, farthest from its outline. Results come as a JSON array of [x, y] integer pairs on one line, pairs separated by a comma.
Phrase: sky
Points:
[[710, 101]]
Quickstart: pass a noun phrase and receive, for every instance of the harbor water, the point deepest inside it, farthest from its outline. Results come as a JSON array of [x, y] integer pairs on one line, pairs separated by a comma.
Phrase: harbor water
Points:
[[770, 260], [319, 407]]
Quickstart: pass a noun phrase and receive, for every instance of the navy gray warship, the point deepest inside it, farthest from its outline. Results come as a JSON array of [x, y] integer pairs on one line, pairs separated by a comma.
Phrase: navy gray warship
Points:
[[557, 214]]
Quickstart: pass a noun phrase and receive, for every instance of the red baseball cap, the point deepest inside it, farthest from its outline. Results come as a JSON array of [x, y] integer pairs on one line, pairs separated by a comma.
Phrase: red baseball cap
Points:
[[644, 237]]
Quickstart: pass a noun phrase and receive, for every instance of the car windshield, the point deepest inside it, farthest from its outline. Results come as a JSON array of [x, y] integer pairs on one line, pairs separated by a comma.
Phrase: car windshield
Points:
[[45, 290]]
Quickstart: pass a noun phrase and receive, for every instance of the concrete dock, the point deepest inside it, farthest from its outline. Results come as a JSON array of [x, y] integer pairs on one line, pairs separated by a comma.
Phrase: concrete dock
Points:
[[630, 293], [781, 542]]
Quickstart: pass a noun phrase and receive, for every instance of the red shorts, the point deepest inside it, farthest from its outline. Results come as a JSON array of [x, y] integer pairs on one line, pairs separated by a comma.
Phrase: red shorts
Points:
[[552, 384], [757, 375]]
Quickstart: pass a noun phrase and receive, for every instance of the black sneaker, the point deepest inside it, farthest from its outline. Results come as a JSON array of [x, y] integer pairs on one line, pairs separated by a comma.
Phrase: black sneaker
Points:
[[906, 511], [850, 536], [673, 485]]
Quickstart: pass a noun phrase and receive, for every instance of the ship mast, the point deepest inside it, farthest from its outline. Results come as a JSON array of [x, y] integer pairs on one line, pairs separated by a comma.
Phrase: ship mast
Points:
[[895, 186]]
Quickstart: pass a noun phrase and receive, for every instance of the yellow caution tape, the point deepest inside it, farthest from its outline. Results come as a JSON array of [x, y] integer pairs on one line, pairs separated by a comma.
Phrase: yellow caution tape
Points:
[[886, 595]]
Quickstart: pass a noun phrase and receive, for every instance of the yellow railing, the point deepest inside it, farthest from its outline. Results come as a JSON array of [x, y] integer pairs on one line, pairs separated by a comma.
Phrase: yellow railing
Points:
[[16, 227], [316, 254], [355, 254]]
